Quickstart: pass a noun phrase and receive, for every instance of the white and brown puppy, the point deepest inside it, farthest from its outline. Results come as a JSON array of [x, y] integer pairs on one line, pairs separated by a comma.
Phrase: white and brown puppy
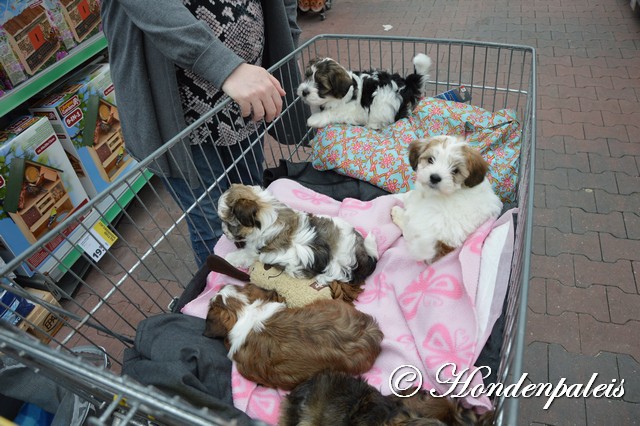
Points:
[[282, 347], [451, 197], [301, 244], [373, 99]]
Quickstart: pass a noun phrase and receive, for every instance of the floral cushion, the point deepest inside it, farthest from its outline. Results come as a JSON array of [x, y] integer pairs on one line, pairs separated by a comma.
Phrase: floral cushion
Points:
[[381, 157]]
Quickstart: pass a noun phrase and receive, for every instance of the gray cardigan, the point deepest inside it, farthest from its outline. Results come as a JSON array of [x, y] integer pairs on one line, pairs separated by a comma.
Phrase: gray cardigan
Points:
[[146, 40]]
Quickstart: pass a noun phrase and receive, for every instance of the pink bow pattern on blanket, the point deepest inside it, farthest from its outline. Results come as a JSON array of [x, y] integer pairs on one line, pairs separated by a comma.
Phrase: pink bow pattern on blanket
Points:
[[428, 313]]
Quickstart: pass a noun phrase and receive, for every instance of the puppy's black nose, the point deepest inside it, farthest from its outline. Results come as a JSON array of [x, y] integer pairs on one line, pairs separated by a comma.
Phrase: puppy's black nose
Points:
[[434, 178], [305, 93]]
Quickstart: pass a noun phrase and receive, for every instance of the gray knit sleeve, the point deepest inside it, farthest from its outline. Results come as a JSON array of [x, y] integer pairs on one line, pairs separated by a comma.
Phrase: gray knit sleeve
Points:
[[182, 38]]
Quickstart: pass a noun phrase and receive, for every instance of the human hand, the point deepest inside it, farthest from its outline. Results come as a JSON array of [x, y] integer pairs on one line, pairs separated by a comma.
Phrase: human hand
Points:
[[257, 92]]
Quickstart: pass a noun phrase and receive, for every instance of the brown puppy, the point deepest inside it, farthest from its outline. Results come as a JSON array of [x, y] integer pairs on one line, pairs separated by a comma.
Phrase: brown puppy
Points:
[[281, 347]]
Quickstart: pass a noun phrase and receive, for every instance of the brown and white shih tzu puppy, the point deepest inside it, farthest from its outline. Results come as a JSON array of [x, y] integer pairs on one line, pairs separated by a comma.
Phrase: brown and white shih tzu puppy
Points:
[[373, 99], [334, 398], [281, 347], [302, 245], [451, 197]]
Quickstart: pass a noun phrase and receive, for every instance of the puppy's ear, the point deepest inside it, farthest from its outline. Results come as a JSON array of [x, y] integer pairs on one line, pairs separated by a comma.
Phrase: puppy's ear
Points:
[[246, 211], [476, 165], [254, 293], [416, 148], [217, 320], [341, 81]]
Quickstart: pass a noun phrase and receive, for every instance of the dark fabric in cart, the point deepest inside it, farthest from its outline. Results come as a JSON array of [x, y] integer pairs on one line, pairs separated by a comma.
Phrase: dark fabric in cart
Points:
[[171, 353], [330, 183], [22, 383]]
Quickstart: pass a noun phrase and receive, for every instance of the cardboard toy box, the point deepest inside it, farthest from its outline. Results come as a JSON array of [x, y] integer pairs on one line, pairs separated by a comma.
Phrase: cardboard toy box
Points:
[[42, 323], [84, 115], [38, 188], [33, 36], [82, 17]]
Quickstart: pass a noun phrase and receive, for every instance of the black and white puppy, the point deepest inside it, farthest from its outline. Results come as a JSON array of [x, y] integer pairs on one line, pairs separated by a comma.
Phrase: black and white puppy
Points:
[[373, 99], [302, 245]]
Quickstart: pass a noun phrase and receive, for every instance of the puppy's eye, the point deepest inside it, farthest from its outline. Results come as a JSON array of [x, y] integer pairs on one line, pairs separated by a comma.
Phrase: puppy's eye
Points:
[[430, 160], [455, 171]]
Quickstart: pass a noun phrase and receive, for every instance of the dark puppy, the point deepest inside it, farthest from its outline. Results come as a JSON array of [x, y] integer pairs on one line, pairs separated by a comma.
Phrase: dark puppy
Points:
[[333, 398]]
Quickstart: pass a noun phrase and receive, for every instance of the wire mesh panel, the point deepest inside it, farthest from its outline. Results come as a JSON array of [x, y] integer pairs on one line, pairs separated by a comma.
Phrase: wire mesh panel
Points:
[[111, 284]]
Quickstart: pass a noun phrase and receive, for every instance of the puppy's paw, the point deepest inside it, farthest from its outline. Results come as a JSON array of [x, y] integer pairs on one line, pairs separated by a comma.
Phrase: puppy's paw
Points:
[[240, 259], [317, 121], [397, 216]]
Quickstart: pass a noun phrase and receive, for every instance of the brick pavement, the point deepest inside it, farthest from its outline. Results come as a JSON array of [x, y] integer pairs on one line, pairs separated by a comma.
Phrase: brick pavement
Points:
[[584, 303]]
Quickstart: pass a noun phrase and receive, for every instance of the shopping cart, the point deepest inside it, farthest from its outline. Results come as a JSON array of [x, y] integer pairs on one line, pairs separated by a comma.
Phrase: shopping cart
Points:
[[146, 270]]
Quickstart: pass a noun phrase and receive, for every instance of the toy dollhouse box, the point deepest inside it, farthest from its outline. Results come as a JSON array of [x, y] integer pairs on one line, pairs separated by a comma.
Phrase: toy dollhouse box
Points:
[[82, 17], [33, 36], [38, 188], [84, 115]]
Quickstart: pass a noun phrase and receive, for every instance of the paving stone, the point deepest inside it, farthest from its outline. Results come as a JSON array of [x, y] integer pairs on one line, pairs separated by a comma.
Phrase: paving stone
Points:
[[612, 105], [538, 242], [630, 372], [596, 337], [562, 411], [605, 181], [573, 145], [614, 249], [623, 306], [537, 297], [628, 184], [554, 160], [618, 274], [612, 223], [563, 329], [604, 82], [593, 132], [627, 107], [606, 411], [632, 224], [555, 197], [557, 177], [539, 196], [607, 202], [592, 300], [552, 129], [536, 360], [577, 368], [559, 218], [586, 244], [624, 164], [555, 267]]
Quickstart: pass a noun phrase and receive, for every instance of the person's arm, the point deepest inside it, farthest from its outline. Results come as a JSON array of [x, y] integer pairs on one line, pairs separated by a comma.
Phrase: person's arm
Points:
[[191, 44], [182, 38]]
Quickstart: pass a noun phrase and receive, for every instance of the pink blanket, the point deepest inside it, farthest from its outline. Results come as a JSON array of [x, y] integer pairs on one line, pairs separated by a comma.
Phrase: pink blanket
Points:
[[430, 315]]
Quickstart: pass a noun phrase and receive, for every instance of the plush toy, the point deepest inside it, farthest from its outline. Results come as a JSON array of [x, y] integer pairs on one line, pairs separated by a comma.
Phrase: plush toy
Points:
[[296, 292]]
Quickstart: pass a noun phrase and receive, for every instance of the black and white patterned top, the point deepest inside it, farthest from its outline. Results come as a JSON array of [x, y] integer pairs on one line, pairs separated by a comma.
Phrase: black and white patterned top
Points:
[[239, 25]]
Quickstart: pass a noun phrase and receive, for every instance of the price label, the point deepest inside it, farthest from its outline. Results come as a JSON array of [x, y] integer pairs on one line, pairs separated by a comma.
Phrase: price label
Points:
[[97, 241]]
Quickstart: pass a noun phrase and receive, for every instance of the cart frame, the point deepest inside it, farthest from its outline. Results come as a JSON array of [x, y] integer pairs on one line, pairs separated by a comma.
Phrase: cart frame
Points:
[[153, 268]]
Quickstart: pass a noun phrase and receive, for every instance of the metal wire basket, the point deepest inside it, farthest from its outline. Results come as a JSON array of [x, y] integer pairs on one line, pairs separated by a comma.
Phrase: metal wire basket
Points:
[[100, 303]]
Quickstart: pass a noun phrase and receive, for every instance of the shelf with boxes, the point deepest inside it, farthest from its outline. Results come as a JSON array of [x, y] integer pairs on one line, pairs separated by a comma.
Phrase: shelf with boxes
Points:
[[41, 41], [60, 139]]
